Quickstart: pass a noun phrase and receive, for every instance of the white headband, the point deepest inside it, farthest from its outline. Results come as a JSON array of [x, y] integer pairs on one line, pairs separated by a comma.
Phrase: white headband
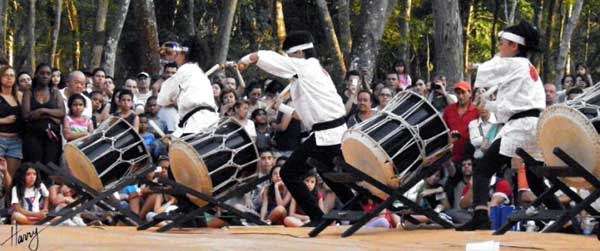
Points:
[[512, 37], [300, 48]]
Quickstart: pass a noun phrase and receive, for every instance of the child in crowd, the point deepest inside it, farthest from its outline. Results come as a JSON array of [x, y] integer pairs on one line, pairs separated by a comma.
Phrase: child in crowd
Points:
[[29, 196], [100, 111], [125, 109], [148, 137], [297, 217], [75, 125], [275, 199]]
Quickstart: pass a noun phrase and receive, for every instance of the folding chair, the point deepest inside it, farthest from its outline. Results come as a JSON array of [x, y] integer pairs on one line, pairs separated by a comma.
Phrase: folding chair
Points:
[[350, 175]]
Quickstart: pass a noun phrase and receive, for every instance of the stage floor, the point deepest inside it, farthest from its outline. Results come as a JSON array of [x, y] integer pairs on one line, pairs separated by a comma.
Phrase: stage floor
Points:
[[284, 239]]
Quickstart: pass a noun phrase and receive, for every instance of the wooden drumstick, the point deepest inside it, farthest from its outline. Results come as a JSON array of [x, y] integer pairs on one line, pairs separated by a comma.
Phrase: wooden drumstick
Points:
[[213, 69], [156, 128]]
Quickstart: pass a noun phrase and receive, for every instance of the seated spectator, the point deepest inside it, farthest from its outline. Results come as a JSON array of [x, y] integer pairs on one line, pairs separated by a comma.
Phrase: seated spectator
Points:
[[275, 199], [429, 193], [159, 202], [385, 219], [297, 217], [29, 196], [5, 185], [567, 82], [148, 137], [63, 196], [364, 108], [151, 110], [76, 125]]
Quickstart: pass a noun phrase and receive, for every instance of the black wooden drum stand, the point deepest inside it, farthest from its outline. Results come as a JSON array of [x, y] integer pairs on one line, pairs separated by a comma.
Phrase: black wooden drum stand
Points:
[[561, 217], [179, 217], [89, 197], [351, 175]]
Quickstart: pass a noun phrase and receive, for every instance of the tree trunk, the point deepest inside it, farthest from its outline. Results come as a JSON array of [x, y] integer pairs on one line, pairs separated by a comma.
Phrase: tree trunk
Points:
[[331, 36], [405, 31], [510, 14], [494, 34], [539, 13], [588, 26], [56, 31], [74, 24], [114, 34], [280, 22], [566, 41], [547, 39], [225, 24], [371, 24], [344, 33], [3, 19], [100, 33], [191, 23], [467, 36], [31, 37], [146, 22], [448, 41]]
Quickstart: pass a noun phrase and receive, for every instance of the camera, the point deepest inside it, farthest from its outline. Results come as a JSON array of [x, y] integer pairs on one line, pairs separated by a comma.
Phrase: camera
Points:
[[455, 135], [436, 86]]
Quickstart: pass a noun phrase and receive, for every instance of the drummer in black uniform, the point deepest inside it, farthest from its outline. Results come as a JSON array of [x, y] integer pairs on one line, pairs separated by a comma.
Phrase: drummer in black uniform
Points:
[[320, 108]]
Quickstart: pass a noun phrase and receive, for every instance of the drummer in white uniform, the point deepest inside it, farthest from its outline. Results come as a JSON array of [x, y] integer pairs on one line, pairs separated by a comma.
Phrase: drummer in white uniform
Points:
[[189, 89], [319, 107], [519, 101]]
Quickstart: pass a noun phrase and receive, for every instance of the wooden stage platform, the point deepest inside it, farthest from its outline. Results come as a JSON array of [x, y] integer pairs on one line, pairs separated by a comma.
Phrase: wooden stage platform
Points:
[[284, 239]]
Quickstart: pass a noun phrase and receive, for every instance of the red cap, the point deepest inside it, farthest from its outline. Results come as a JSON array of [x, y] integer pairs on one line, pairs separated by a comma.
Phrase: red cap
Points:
[[465, 86]]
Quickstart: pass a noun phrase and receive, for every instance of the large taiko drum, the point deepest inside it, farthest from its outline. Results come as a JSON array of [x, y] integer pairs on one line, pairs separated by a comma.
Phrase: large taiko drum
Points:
[[396, 143], [215, 160], [573, 127], [110, 152]]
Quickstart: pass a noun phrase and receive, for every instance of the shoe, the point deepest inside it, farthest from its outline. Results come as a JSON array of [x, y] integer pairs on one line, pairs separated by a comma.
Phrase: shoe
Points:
[[480, 221], [78, 221]]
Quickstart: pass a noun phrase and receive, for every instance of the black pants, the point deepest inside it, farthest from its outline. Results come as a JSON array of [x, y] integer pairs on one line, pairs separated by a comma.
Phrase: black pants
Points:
[[491, 162], [296, 168], [38, 147]]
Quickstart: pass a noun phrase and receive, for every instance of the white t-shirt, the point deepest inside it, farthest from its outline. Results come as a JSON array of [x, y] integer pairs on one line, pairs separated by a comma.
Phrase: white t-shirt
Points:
[[87, 111], [32, 198]]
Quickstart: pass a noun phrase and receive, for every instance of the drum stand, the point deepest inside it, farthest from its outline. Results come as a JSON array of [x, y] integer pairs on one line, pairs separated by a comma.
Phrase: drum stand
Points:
[[179, 217], [89, 197], [350, 175], [560, 217]]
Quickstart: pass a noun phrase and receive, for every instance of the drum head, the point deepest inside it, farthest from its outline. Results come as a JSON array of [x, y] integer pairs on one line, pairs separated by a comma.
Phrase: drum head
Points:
[[190, 170], [567, 128], [358, 152], [82, 168]]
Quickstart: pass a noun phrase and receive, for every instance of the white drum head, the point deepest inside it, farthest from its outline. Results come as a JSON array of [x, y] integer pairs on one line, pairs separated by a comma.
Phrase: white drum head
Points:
[[567, 128]]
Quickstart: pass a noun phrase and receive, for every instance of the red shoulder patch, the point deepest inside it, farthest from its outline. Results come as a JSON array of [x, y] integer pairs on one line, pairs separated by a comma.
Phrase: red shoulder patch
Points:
[[533, 73]]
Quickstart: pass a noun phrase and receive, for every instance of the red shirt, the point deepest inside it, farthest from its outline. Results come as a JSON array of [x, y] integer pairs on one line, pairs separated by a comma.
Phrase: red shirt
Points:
[[460, 124]]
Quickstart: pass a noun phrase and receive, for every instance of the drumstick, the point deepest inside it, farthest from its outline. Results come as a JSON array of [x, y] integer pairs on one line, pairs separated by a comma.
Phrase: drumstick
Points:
[[281, 95], [156, 128], [213, 69], [489, 92]]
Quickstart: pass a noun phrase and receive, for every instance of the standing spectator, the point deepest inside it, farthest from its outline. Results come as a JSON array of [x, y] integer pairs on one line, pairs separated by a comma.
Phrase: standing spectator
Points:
[[11, 122], [364, 108], [168, 70], [228, 99], [384, 97], [43, 111], [220, 77], [403, 77], [551, 96], [240, 109], [110, 87], [582, 82], [144, 92], [392, 81], [349, 96], [100, 110], [58, 81], [567, 83], [76, 125], [457, 116], [439, 97], [99, 80], [582, 71], [5, 185], [125, 111], [217, 93], [24, 80], [76, 84], [263, 130], [421, 88], [254, 97], [482, 131]]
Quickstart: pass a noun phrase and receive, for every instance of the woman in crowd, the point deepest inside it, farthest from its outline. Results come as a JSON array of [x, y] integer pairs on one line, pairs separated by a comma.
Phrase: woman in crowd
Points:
[[11, 122]]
